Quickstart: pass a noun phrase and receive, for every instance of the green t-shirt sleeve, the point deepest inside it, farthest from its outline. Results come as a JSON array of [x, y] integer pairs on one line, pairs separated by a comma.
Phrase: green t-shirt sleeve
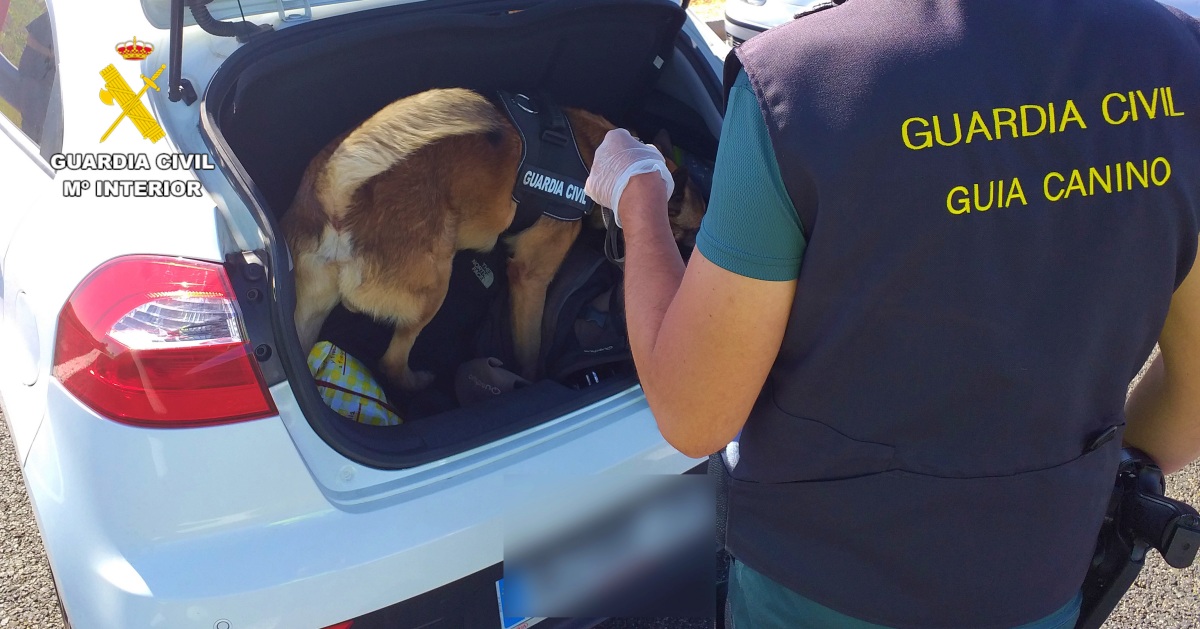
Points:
[[751, 227]]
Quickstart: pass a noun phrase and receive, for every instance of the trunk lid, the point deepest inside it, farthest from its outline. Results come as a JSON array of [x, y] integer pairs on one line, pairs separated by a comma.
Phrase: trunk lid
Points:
[[231, 18], [158, 12]]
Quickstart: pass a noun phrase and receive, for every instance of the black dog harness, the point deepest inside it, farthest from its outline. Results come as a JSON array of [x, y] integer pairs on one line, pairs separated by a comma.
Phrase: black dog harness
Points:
[[552, 172]]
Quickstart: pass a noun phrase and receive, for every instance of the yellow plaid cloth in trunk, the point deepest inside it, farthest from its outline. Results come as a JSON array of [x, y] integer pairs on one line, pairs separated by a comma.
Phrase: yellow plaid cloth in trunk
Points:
[[348, 388]]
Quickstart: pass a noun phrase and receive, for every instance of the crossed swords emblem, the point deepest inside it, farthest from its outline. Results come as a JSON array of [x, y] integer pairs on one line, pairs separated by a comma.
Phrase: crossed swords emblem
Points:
[[117, 90]]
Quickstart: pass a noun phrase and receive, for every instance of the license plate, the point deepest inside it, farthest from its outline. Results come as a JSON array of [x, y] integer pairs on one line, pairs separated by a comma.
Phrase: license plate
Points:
[[512, 622]]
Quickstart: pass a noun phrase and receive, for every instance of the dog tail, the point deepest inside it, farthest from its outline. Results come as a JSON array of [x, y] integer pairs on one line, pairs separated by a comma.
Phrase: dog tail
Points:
[[396, 132]]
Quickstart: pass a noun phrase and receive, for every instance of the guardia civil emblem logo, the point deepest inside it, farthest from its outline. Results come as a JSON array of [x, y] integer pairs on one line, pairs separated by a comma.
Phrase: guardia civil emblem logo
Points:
[[116, 91]]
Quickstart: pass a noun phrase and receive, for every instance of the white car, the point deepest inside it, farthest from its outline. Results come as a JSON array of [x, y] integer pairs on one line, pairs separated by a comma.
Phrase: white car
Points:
[[183, 468], [746, 18]]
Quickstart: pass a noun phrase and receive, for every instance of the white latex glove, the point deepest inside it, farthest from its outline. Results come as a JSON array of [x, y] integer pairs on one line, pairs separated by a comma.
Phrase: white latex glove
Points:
[[619, 158]]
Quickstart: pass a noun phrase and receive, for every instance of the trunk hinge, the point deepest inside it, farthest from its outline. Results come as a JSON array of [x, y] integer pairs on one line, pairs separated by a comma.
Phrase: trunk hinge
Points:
[[180, 88], [284, 16]]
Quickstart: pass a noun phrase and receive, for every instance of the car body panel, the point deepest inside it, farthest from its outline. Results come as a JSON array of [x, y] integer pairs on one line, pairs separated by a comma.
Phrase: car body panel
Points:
[[634, 444], [718, 49], [227, 523], [20, 372], [43, 262]]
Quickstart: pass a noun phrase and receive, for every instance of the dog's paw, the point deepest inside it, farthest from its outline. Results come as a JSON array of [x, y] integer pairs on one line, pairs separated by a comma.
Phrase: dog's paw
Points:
[[416, 380]]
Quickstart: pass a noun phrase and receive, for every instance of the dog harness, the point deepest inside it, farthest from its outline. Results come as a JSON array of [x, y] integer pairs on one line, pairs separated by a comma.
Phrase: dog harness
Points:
[[552, 172]]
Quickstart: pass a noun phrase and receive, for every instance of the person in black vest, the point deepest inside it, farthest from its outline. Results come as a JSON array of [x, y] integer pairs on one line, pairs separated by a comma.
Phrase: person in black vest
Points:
[[943, 238]]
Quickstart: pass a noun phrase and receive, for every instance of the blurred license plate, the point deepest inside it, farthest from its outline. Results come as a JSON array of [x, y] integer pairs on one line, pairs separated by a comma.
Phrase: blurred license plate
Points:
[[512, 622]]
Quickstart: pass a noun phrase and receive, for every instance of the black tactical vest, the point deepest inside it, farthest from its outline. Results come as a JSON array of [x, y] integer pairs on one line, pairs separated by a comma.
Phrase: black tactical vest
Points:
[[551, 175], [1000, 198]]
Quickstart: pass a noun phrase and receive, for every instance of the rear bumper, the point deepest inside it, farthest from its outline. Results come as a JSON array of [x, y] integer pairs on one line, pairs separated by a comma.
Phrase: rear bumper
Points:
[[185, 528], [468, 602]]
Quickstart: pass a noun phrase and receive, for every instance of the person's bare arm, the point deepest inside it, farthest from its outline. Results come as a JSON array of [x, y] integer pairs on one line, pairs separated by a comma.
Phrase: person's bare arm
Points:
[[1163, 414], [703, 339]]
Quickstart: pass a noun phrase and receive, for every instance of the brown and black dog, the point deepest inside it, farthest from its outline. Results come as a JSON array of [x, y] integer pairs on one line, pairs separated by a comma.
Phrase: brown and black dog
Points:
[[381, 212]]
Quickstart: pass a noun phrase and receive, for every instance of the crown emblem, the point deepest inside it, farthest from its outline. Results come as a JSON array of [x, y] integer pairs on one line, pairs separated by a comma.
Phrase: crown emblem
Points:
[[134, 50]]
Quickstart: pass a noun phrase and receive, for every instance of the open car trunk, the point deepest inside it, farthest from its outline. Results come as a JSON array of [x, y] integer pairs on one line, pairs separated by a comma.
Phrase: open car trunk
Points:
[[278, 100]]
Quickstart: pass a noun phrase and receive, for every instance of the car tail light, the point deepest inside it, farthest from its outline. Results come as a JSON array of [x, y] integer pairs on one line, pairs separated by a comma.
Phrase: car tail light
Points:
[[158, 341]]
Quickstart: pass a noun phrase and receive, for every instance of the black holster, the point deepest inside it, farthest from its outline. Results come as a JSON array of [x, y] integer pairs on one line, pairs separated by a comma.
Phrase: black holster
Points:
[[1140, 517]]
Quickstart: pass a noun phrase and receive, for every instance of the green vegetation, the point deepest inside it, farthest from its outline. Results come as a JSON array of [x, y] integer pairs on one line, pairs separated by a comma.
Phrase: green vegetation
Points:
[[10, 112], [12, 39]]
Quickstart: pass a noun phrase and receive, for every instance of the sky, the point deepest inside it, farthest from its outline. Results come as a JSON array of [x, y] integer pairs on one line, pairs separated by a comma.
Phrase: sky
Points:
[[1191, 6]]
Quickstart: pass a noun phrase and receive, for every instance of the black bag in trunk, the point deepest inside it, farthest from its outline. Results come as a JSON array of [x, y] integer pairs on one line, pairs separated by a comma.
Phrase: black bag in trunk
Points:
[[583, 324]]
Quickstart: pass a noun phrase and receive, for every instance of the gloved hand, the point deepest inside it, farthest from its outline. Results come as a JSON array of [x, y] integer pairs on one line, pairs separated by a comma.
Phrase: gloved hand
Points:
[[619, 158]]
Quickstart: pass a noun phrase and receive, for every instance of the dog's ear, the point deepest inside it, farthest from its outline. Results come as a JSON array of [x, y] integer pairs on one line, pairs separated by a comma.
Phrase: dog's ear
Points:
[[662, 141], [681, 179], [675, 203]]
